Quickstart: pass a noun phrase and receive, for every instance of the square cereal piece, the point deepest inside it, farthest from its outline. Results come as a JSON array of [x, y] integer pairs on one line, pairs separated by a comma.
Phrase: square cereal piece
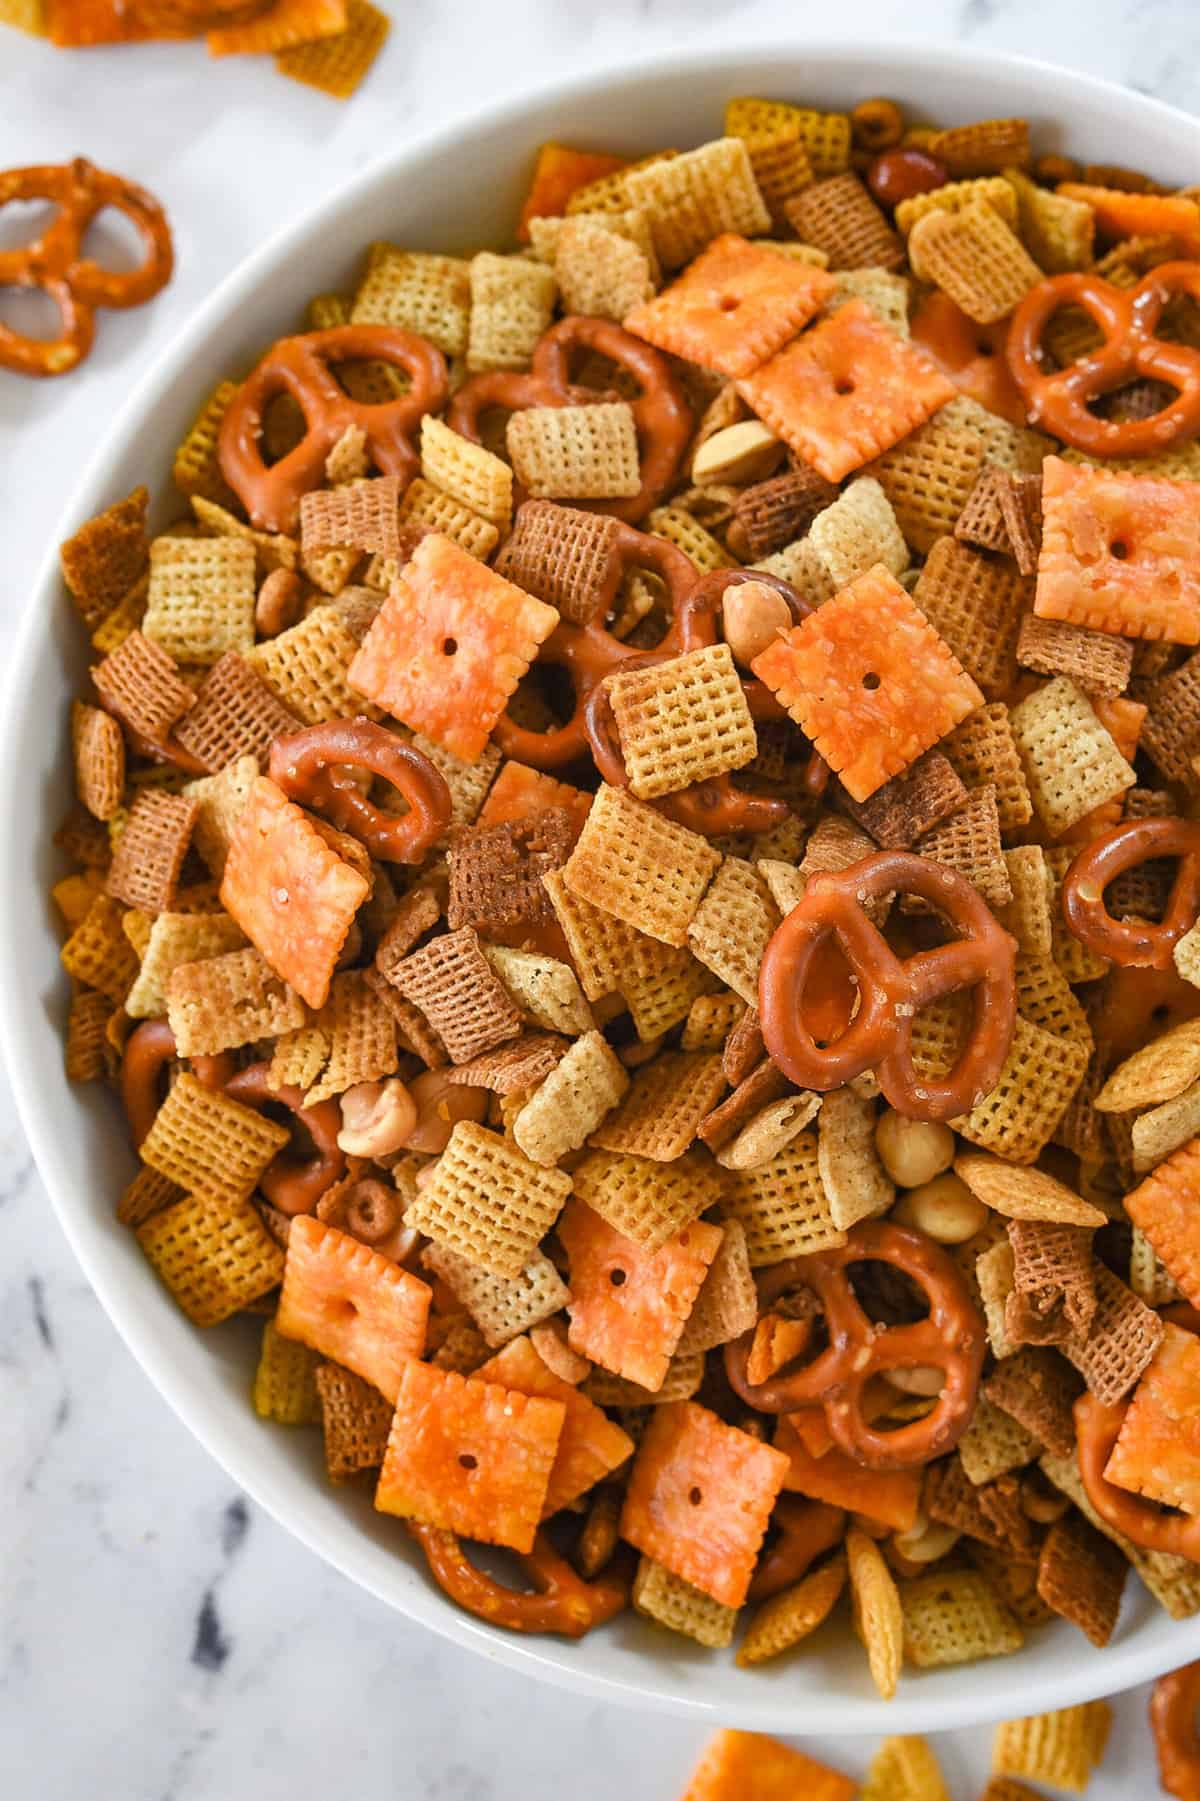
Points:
[[733, 307], [727, 1304], [513, 1068], [1060, 1748], [355, 1420], [234, 714], [360, 515], [645, 1201], [569, 1103], [140, 683], [955, 1617], [852, 1176], [661, 1113], [779, 155], [982, 523], [682, 721], [976, 603], [969, 843], [928, 478], [564, 556], [149, 854], [294, 898], [469, 1456], [87, 1048], [638, 866], [984, 753], [601, 272], [839, 216], [512, 304], [591, 1446], [845, 391], [783, 1205], [285, 1388], [1120, 553], [98, 750], [869, 681], [1120, 1343], [196, 468], [975, 258], [693, 198], [994, 1444], [576, 452], [546, 991], [306, 667], [360, 1031], [857, 531], [201, 598], [213, 1253], [677, 1605], [501, 1306], [825, 136], [628, 1306], [423, 504], [487, 1201], [228, 1000], [1096, 661], [466, 471], [1028, 916], [1081, 1577], [1054, 1284], [496, 871], [458, 991], [1037, 1389], [1163, 1206], [1157, 1453], [769, 515], [428, 294], [336, 65], [449, 646], [351, 1303], [733, 926], [1072, 763], [699, 1499], [1017, 1118], [219, 801], [710, 1019], [905, 808], [211, 1145], [905, 1769], [106, 557], [98, 952]]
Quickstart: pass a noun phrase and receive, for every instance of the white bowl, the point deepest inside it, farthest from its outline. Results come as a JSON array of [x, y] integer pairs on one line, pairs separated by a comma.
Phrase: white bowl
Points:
[[453, 189]]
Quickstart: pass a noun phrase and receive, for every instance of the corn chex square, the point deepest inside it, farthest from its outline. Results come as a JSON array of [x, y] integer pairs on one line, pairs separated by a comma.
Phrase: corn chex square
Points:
[[487, 1201], [682, 721], [642, 868], [201, 597]]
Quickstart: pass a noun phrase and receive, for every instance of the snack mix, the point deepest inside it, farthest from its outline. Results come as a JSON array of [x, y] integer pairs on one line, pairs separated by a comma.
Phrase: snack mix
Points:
[[634, 872]]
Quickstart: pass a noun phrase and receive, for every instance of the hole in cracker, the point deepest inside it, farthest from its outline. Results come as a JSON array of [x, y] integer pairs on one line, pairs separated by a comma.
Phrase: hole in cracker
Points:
[[616, 1277], [468, 1462], [344, 1309], [449, 646], [729, 303], [1119, 549], [843, 385], [23, 222], [695, 1496], [30, 313], [871, 680], [113, 242]]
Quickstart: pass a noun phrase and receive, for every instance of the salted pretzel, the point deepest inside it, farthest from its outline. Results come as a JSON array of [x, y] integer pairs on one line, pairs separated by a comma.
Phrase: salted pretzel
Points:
[[1134, 943], [312, 767], [891, 989], [950, 1338], [292, 1181], [303, 367], [805, 1530], [1142, 1522], [54, 262], [660, 411], [1126, 317], [561, 1600], [148, 1050], [1173, 1704]]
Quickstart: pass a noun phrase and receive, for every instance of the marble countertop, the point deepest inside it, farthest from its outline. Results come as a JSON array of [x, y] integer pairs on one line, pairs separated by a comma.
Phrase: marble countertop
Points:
[[160, 1639]]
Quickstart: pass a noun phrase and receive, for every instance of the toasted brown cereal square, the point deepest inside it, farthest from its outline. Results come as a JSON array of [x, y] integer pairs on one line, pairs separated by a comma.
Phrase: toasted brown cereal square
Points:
[[98, 746], [213, 1253], [839, 216], [360, 515], [1071, 762], [680, 1607], [644, 869], [909, 805], [990, 1512], [512, 1068], [1059, 1748], [201, 597], [424, 293], [457, 990], [783, 1205], [1171, 733], [416, 913], [646, 1201], [140, 683], [361, 1033], [234, 715], [771, 514], [107, 557], [99, 954], [732, 927], [570, 1102], [149, 854], [691, 199], [576, 452], [955, 1617], [219, 801], [546, 991], [982, 523], [356, 1420], [1038, 1390], [1081, 1576], [496, 871], [1098, 662], [565, 557], [855, 1182], [976, 605], [1054, 1288], [982, 751], [502, 1307], [968, 842], [661, 1114], [305, 667], [682, 721], [1120, 1343], [487, 1201], [684, 1375], [87, 1040], [211, 1145], [928, 478], [710, 1019]]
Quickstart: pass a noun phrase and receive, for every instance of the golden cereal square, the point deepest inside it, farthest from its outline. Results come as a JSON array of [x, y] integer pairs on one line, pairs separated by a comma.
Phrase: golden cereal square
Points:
[[213, 1253], [201, 598], [642, 868], [487, 1201], [682, 721]]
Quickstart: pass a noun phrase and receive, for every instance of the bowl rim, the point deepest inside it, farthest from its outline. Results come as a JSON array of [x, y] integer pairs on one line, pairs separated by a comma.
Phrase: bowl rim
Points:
[[1125, 1664]]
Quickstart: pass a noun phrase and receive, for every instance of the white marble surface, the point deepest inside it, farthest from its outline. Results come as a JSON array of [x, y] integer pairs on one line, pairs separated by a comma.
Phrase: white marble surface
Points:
[[160, 1640]]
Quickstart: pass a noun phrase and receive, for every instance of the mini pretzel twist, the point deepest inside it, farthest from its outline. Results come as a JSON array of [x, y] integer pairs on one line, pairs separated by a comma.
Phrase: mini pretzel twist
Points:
[[950, 1338], [1134, 943], [301, 367], [1127, 318], [561, 1602], [1173, 1706], [53, 262], [148, 1050], [1142, 1522], [660, 412], [891, 989], [292, 1181], [312, 768]]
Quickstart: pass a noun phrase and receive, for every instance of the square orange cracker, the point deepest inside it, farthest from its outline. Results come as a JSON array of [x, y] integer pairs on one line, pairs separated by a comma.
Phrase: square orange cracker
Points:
[[285, 23], [628, 1306], [1125, 215], [591, 1445], [869, 680], [519, 792], [1164, 1208], [732, 308], [557, 173], [450, 645], [699, 1499], [1157, 1453], [1120, 553], [748, 1766], [75, 24], [469, 1456], [846, 391], [351, 1303], [294, 898]]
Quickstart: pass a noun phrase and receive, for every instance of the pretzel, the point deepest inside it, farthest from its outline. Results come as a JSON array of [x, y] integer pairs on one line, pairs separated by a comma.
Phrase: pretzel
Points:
[[1126, 317], [950, 1338], [148, 1050], [1143, 1522], [1173, 1705], [660, 412], [300, 366], [1134, 943], [891, 989], [292, 1182], [1138, 1004], [75, 283], [806, 1529], [561, 1600], [716, 806], [311, 767]]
